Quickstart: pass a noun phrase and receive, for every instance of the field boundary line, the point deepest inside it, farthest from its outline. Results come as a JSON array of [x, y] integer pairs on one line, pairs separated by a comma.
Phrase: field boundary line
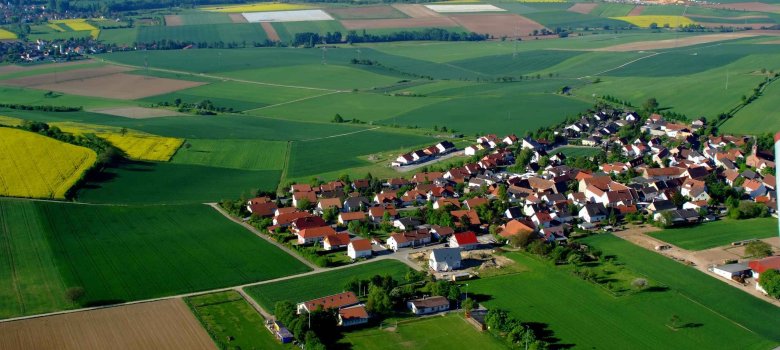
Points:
[[621, 66], [340, 135], [286, 166], [717, 313], [293, 101]]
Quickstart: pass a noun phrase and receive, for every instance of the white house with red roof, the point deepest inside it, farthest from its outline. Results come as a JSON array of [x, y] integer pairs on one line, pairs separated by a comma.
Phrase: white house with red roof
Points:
[[762, 265], [359, 248], [464, 240], [335, 301]]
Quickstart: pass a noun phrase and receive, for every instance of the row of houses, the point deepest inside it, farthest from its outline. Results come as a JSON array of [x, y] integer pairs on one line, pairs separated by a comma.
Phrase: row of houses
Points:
[[425, 154]]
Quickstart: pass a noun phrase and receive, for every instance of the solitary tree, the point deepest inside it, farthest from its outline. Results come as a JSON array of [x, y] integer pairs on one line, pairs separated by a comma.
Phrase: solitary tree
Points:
[[651, 105]]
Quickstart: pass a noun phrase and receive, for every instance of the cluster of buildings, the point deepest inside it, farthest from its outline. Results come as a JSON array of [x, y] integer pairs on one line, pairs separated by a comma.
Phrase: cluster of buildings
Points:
[[424, 155], [754, 269]]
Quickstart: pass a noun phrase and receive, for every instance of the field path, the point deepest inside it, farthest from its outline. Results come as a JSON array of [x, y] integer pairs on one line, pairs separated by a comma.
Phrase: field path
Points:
[[270, 31], [293, 101], [622, 65], [340, 135]]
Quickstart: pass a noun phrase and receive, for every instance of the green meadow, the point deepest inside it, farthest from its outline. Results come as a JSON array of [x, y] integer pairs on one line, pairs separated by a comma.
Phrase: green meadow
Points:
[[719, 233]]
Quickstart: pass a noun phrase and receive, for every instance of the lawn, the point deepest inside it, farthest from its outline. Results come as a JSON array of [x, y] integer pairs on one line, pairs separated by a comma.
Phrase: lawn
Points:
[[448, 332], [234, 154], [733, 305], [575, 313], [167, 183], [227, 315], [308, 158], [322, 284], [719, 233], [759, 116], [578, 151], [123, 253]]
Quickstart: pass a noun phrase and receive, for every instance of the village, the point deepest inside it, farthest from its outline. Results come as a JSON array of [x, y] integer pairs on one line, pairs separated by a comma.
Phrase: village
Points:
[[515, 191]]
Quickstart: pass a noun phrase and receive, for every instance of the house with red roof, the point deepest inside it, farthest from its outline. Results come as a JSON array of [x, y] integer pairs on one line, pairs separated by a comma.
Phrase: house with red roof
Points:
[[314, 235], [287, 217], [335, 301], [303, 223], [762, 265], [352, 316], [261, 206], [464, 240], [346, 218], [336, 241], [359, 248]]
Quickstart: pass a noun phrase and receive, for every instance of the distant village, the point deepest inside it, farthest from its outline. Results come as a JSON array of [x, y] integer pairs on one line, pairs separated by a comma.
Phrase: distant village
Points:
[[515, 190]]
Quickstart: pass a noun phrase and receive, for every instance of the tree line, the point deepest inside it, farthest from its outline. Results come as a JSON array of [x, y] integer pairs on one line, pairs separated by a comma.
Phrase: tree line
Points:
[[309, 39]]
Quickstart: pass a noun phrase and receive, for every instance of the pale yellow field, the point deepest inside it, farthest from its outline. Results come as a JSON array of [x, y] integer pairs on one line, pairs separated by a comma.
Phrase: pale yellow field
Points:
[[645, 21], [136, 144], [259, 7], [6, 35], [78, 25], [37, 166], [55, 27]]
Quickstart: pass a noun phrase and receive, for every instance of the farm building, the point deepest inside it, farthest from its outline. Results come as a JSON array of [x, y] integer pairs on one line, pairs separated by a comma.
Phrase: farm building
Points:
[[730, 271], [335, 301], [359, 248], [406, 239], [444, 259], [760, 266], [428, 305], [353, 315], [282, 333], [464, 240]]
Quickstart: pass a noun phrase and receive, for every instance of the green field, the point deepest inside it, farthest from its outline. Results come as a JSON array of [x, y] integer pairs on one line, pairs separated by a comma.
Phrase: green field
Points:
[[567, 19], [309, 158], [577, 151], [234, 154], [204, 33], [123, 253], [323, 76], [227, 314], [198, 18], [448, 332], [167, 183], [119, 36], [759, 116], [37, 97], [612, 10], [540, 296], [322, 284], [287, 30], [717, 234]]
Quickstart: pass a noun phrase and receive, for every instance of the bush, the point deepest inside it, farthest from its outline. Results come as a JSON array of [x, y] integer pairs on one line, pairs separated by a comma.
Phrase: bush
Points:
[[74, 294]]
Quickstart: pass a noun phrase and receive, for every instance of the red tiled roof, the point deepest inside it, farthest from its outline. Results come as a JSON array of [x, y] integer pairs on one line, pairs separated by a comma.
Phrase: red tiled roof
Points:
[[353, 312], [361, 244], [514, 227], [332, 301], [465, 238], [262, 209], [338, 239], [471, 214], [772, 262], [287, 218], [301, 188], [315, 232], [310, 221], [358, 215]]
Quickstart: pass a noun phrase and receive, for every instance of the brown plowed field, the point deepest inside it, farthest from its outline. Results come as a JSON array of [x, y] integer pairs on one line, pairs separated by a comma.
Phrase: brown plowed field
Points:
[[138, 112], [120, 86], [670, 43], [747, 6], [76, 74], [583, 7], [637, 10], [270, 31], [366, 12], [173, 20], [399, 23], [416, 11], [498, 25], [237, 18], [167, 324]]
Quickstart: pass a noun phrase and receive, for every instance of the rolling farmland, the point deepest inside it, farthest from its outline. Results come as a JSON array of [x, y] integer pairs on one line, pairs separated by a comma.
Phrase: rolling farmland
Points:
[[757, 117], [234, 154], [720, 233], [36, 166], [137, 145]]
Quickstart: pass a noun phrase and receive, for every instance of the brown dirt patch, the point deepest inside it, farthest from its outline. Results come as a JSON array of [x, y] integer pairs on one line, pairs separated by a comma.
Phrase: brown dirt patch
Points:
[[10, 69], [120, 86], [747, 6], [583, 7], [76, 74], [670, 43], [15, 68], [173, 20], [416, 11], [498, 25], [636, 11], [365, 12], [399, 23], [237, 18], [138, 112], [270, 31], [165, 324]]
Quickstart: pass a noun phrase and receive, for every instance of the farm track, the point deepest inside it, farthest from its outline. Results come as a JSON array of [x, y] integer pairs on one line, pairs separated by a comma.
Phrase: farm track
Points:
[[339, 135], [293, 101]]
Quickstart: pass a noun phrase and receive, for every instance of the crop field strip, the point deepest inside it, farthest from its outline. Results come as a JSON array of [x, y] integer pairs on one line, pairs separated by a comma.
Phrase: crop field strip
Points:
[[717, 234]]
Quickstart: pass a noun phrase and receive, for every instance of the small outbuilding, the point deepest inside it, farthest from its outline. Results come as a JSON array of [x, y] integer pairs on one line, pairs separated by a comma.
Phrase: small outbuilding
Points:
[[428, 305]]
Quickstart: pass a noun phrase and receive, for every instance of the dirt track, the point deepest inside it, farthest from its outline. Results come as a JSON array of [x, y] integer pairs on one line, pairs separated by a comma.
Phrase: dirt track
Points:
[[498, 25], [166, 324], [270, 31], [637, 10]]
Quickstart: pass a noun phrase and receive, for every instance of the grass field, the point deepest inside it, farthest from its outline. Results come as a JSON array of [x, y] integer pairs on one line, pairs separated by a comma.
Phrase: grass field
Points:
[[567, 19], [135, 144], [287, 30], [720, 233], [226, 315], [235, 154], [661, 21], [198, 18], [161, 183], [7, 35], [690, 284], [757, 117], [537, 296], [322, 284], [578, 151], [447, 332], [366, 107], [258, 7], [308, 158], [120, 253], [36, 166], [323, 76], [209, 33], [10, 94], [119, 36], [612, 10]]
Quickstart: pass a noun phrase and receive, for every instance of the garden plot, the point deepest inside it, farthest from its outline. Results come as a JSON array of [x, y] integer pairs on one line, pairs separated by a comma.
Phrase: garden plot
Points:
[[287, 16], [464, 8]]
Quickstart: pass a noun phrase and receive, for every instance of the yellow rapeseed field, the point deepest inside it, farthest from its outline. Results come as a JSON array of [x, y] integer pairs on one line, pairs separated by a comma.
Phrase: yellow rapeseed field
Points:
[[78, 25], [37, 166], [6, 35], [661, 21], [136, 144], [258, 7], [55, 27]]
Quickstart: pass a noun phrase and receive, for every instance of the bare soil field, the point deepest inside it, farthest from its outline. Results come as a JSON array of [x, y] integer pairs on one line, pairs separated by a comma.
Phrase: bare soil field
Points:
[[76, 74], [689, 41], [637, 10], [138, 112], [498, 25], [416, 11], [120, 86], [366, 12], [399, 23], [747, 6], [270, 31], [583, 7], [167, 324], [239, 18], [173, 20]]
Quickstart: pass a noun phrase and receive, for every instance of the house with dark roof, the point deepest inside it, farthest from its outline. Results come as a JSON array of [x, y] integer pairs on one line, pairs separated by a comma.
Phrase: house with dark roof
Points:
[[593, 212], [444, 259], [429, 305]]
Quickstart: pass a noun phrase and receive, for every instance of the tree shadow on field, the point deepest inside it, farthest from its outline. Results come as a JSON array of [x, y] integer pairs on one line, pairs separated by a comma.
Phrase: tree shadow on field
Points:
[[103, 302], [544, 333], [655, 289]]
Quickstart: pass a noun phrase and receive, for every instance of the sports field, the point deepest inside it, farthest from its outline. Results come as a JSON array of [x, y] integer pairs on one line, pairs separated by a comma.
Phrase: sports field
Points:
[[447, 332], [536, 296], [123, 253], [717, 234], [322, 284], [227, 315], [37, 166]]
